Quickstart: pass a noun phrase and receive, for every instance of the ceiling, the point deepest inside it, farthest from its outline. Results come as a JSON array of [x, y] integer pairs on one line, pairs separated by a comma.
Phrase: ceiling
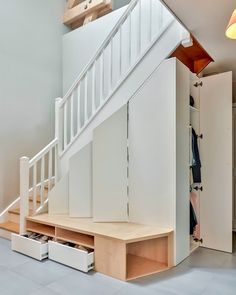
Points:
[[207, 21]]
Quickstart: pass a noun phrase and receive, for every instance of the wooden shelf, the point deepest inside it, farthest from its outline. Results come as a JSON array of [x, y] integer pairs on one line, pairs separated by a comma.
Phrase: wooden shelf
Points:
[[74, 237], [43, 229], [138, 266]]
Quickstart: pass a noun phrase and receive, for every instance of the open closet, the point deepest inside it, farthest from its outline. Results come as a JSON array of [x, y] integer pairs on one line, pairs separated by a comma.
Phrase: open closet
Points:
[[211, 117], [158, 144]]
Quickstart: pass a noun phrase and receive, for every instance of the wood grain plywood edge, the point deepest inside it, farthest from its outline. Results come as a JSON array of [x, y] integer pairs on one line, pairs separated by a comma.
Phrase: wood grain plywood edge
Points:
[[110, 258], [126, 232]]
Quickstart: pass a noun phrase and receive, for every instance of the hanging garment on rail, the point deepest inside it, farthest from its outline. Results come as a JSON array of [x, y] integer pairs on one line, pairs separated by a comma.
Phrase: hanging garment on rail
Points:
[[193, 220], [196, 163], [195, 204]]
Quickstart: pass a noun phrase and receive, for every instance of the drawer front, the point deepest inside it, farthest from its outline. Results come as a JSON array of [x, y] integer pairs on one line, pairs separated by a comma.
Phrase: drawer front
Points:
[[29, 247], [72, 257]]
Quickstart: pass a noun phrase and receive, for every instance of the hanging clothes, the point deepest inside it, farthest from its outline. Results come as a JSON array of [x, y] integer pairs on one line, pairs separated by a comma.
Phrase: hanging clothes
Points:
[[193, 219], [196, 163], [195, 205]]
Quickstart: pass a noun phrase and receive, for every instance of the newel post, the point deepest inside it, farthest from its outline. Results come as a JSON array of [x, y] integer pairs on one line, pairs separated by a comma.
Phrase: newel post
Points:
[[58, 132], [24, 193], [57, 118]]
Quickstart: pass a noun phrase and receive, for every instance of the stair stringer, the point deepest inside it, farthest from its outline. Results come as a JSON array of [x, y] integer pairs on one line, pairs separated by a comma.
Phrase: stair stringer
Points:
[[160, 50]]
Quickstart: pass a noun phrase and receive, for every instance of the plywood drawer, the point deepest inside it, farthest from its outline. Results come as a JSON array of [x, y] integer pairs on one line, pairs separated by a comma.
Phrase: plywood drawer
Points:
[[29, 247], [70, 256]]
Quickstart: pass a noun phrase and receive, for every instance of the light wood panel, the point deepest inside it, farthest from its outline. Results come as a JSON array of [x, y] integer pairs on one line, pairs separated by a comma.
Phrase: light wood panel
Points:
[[154, 249], [110, 257], [139, 267], [74, 237], [81, 10], [127, 232], [40, 228], [10, 226]]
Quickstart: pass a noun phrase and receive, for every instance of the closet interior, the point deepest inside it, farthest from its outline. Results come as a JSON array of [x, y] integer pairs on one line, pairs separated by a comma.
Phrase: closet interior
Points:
[[195, 182]]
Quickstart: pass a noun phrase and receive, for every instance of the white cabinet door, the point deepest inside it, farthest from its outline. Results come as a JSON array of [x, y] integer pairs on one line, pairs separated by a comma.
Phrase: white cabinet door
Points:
[[216, 158], [234, 168], [110, 169]]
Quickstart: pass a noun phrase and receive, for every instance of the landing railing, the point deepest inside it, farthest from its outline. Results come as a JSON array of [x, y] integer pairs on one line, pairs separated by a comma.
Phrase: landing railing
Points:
[[139, 27]]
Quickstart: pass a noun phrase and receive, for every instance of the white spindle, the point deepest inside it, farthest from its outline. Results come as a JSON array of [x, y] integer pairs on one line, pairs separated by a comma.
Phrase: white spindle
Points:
[[150, 19], [111, 66], [72, 117], [129, 39], [65, 125], [49, 169], [78, 109], [24, 193], [121, 53], [101, 77], [57, 116], [93, 88], [42, 180], [34, 188], [56, 163], [139, 39], [86, 98]]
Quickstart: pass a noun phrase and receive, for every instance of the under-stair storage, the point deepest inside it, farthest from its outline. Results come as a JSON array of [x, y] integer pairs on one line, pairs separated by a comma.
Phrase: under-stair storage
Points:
[[79, 259], [30, 247], [39, 228], [74, 237], [146, 257]]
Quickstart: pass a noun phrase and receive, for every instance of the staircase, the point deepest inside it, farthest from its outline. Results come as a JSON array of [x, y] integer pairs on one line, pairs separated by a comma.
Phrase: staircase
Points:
[[143, 37]]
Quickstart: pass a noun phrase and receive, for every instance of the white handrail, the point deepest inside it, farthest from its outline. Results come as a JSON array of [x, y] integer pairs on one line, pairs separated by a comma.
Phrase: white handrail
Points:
[[129, 40], [43, 152], [100, 49]]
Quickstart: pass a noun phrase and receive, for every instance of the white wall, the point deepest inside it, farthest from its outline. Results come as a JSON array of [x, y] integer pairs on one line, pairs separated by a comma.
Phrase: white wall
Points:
[[30, 79], [80, 45]]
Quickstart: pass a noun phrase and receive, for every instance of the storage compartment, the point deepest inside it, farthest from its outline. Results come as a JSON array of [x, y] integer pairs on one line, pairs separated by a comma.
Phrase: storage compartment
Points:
[[40, 228], [29, 247], [146, 257], [76, 258], [74, 237]]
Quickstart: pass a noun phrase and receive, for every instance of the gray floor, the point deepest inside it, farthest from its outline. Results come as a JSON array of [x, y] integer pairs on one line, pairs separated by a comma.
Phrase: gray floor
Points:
[[205, 272]]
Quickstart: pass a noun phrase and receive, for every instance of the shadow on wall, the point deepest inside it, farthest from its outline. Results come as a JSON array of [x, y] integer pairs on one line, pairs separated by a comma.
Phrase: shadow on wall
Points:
[[234, 92]]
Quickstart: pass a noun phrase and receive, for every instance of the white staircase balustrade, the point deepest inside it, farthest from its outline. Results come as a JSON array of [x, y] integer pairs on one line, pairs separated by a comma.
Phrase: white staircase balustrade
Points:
[[137, 30], [39, 175]]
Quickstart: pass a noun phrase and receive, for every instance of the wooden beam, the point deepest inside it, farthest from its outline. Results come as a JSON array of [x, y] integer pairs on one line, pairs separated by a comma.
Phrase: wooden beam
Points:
[[73, 3], [83, 9], [90, 17]]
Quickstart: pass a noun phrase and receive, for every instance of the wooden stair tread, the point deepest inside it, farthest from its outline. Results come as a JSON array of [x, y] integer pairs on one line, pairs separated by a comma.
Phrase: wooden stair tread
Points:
[[17, 211], [10, 226], [38, 199]]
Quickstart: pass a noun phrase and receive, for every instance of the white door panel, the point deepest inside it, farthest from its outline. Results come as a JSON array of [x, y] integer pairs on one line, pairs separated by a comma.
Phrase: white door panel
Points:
[[110, 169], [216, 158]]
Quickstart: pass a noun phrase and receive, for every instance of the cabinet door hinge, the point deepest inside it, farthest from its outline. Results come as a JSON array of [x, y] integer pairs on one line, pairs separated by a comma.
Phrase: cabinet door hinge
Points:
[[197, 84]]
